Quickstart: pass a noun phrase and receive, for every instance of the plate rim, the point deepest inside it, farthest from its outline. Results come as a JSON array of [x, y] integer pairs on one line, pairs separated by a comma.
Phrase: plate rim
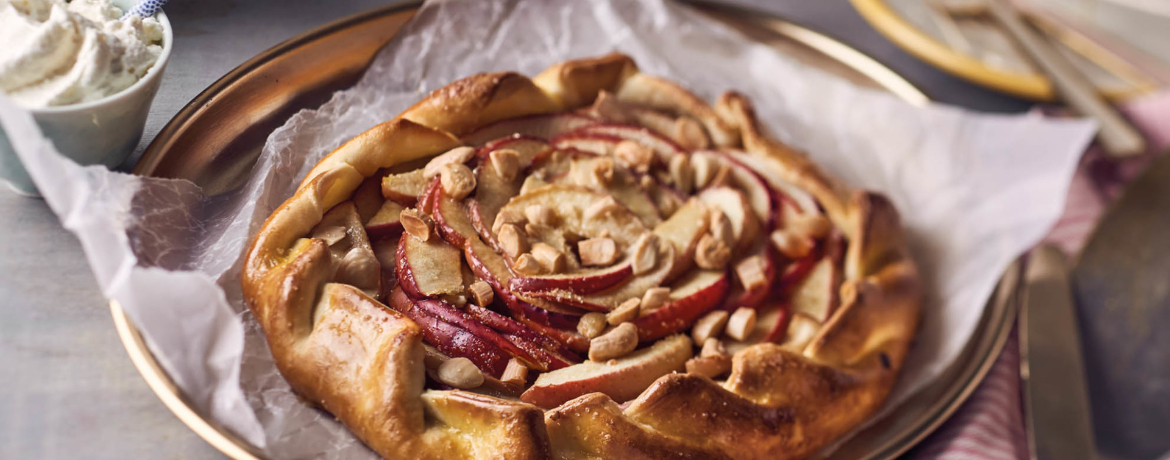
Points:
[[989, 345]]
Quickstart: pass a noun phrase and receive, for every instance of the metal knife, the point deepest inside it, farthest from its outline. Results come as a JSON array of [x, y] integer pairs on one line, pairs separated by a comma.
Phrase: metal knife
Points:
[[1056, 397]]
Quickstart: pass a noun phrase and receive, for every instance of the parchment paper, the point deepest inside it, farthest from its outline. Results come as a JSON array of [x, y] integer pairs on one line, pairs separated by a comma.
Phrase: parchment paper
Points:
[[974, 190]]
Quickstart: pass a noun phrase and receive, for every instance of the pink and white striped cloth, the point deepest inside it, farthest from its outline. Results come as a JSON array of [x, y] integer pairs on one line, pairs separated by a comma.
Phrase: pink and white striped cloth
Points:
[[990, 425]]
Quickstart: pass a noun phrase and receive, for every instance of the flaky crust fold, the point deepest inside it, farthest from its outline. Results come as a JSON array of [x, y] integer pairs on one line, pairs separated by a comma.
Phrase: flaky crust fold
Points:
[[363, 362]]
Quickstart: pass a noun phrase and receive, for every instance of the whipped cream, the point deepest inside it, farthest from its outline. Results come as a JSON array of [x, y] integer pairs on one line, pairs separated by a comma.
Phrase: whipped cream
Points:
[[56, 53]]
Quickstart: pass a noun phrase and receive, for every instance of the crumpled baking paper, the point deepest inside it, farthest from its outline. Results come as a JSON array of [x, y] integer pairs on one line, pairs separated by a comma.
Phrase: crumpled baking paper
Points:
[[974, 190]]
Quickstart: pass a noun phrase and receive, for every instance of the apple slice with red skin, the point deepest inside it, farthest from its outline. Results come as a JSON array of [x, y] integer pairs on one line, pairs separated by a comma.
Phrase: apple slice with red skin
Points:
[[764, 169], [492, 190], [622, 380], [690, 297], [817, 294], [756, 190], [464, 320], [529, 149], [569, 204], [608, 300], [405, 188], [451, 219], [490, 267], [550, 353], [664, 148], [593, 144], [771, 326], [745, 226], [542, 126], [741, 297], [426, 199], [801, 330], [451, 339], [581, 282], [428, 268], [683, 230], [385, 223]]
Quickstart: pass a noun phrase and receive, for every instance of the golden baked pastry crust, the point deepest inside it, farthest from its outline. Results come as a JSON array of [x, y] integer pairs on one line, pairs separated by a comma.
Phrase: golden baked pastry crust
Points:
[[363, 362]]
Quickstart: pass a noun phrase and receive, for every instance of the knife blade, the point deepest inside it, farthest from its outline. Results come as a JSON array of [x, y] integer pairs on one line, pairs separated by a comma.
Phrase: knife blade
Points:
[[1056, 397]]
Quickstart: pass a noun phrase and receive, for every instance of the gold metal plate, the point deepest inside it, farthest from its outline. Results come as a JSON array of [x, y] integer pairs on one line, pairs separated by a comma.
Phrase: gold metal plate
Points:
[[954, 39], [215, 140]]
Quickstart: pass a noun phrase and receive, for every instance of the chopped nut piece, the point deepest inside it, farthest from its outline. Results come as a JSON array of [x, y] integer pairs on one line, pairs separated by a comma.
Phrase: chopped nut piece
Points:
[[483, 293], [331, 234], [539, 214], [527, 265], [713, 347], [751, 272], [627, 311], [592, 172], [711, 253], [506, 162], [710, 325], [681, 173], [591, 325], [720, 227], [460, 373], [604, 206], [636, 156], [741, 323], [548, 257], [507, 216], [417, 223], [790, 244], [653, 299], [457, 180], [644, 253], [511, 241], [618, 342], [709, 366], [597, 252], [689, 134], [457, 155], [516, 372], [814, 226], [705, 169]]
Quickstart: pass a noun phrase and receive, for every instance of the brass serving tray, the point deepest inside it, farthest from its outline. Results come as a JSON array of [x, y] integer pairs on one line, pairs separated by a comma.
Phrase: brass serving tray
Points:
[[215, 140]]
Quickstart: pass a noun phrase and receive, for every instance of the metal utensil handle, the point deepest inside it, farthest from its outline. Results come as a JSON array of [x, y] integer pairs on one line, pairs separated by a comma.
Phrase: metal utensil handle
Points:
[[1117, 135]]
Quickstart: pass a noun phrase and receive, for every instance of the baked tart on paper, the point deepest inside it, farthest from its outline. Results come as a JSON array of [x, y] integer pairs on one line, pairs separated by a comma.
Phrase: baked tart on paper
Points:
[[592, 263]]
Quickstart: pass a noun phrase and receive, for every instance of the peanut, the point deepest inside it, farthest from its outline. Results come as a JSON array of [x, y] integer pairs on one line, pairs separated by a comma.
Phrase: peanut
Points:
[[506, 162], [457, 180], [681, 173], [460, 373], [527, 265], [618, 342], [710, 325], [457, 155], [709, 366], [597, 252], [417, 223], [482, 292], [635, 155], [741, 323], [752, 273], [625, 312], [645, 253], [548, 257], [516, 372], [591, 325], [653, 299], [711, 253], [689, 134], [512, 242]]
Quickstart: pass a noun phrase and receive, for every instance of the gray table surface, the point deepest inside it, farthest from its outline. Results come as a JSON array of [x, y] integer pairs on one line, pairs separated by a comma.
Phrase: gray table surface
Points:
[[68, 388]]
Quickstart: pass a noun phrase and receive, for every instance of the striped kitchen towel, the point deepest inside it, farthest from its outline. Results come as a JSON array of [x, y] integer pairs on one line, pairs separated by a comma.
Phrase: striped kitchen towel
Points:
[[990, 425]]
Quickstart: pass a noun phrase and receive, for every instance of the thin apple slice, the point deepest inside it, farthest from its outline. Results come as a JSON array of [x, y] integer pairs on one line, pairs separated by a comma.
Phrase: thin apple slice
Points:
[[623, 186], [570, 205], [766, 169], [550, 353], [801, 330], [490, 267], [451, 219], [608, 300], [745, 226], [428, 268], [771, 326], [622, 380], [385, 223], [541, 126], [665, 198], [493, 190], [579, 282], [817, 294], [753, 298], [594, 144], [464, 320], [663, 148], [683, 230], [404, 188], [529, 149], [451, 339], [745, 179], [368, 197], [692, 296]]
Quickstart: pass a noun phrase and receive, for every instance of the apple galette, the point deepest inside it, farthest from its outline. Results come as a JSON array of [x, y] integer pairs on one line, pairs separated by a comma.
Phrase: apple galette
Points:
[[593, 263]]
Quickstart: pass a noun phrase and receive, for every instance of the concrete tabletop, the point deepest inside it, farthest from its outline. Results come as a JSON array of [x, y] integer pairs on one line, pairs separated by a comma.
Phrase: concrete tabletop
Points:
[[69, 390]]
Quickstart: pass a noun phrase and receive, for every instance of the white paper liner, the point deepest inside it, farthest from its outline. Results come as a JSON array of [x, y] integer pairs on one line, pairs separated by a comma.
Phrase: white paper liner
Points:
[[974, 190]]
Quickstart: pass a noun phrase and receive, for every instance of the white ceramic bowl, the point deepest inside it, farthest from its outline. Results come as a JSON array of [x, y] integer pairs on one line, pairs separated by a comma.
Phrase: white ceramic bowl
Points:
[[101, 132]]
